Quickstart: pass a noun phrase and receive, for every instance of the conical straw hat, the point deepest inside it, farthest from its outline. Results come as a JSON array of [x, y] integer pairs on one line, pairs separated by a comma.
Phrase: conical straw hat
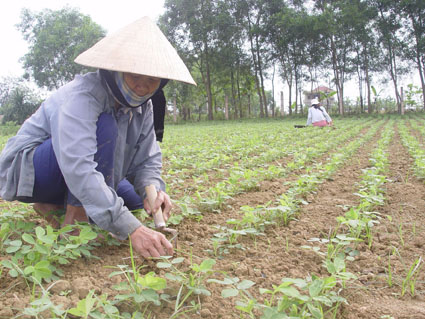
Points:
[[139, 48]]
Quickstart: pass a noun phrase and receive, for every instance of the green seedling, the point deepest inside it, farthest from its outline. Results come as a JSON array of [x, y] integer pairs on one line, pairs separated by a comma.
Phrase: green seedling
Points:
[[5, 232], [85, 307], [390, 275], [39, 306], [140, 290], [218, 248], [336, 267], [411, 277], [247, 303], [232, 235], [400, 234], [286, 210], [97, 307], [288, 299], [191, 282]]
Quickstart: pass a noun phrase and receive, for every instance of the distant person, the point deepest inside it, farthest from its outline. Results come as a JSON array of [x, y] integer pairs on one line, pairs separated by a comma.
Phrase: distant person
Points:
[[91, 148], [317, 115]]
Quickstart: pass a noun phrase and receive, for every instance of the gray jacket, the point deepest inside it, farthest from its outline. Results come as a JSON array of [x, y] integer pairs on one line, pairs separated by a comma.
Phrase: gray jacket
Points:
[[69, 117]]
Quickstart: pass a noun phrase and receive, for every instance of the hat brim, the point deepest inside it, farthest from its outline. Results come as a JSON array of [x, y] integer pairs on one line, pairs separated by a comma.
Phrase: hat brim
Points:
[[139, 48]]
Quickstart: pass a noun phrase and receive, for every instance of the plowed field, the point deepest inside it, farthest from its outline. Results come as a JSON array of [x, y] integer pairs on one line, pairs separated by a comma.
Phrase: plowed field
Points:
[[260, 202]]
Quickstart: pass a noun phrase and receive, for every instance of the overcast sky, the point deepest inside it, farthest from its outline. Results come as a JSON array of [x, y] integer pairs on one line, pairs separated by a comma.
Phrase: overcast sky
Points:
[[111, 15]]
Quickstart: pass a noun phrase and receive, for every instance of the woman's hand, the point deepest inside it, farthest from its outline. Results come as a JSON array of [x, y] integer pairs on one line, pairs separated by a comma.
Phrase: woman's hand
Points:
[[163, 201], [150, 243]]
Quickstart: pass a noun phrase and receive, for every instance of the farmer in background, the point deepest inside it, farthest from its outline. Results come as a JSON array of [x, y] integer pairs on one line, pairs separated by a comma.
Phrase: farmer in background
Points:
[[317, 115], [90, 149]]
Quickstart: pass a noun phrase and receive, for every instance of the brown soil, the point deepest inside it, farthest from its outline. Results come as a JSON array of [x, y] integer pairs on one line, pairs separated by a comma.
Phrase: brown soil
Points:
[[279, 254]]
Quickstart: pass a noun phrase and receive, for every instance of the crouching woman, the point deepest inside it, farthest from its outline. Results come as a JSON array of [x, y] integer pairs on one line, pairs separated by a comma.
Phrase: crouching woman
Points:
[[317, 115]]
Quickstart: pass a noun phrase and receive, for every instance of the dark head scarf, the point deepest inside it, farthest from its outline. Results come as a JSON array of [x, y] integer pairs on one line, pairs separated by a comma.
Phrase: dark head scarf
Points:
[[158, 100]]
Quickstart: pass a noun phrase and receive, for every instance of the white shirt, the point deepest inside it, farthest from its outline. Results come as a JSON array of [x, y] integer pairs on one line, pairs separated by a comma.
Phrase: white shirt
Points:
[[317, 115]]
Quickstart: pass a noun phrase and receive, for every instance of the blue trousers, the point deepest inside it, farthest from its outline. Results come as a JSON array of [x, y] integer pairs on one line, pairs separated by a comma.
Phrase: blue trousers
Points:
[[50, 186]]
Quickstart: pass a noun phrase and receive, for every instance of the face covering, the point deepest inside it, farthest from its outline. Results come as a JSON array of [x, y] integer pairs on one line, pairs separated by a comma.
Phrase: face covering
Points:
[[132, 98]]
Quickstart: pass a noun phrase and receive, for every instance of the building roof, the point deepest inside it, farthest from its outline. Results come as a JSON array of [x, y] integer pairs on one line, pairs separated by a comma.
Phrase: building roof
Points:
[[322, 89]]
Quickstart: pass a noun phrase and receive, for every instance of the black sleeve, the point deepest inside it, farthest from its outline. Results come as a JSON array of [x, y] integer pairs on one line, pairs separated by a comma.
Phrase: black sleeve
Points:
[[159, 102]]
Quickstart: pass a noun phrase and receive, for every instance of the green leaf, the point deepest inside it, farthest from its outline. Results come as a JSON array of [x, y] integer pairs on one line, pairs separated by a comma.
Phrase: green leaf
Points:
[[152, 281], [13, 273], [150, 295], [28, 270], [28, 238], [202, 291], [245, 284], [88, 303], [177, 260], [87, 234], [290, 292], [7, 263], [41, 249], [329, 282], [16, 243], [339, 263], [12, 249], [315, 311], [265, 291], [330, 267], [40, 232], [324, 300], [4, 230], [163, 265], [206, 265], [315, 288], [226, 281], [229, 292], [42, 270], [173, 277]]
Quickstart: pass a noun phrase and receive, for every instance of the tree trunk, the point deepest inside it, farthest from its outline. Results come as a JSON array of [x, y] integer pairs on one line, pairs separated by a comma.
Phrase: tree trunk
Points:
[[209, 94], [296, 92], [392, 61], [421, 69], [239, 96], [290, 97], [301, 100], [184, 113], [369, 102], [174, 110], [254, 60], [226, 107], [402, 101], [233, 94], [282, 108], [273, 104], [337, 77]]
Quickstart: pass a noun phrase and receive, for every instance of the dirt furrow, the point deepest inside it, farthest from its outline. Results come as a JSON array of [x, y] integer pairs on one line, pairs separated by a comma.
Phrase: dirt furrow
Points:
[[398, 242]]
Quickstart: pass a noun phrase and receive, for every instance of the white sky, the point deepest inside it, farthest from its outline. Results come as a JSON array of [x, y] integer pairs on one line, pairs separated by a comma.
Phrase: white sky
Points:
[[111, 15]]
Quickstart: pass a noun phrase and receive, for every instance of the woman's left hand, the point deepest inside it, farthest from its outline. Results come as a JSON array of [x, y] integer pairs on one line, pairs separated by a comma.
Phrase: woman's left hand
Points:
[[163, 201]]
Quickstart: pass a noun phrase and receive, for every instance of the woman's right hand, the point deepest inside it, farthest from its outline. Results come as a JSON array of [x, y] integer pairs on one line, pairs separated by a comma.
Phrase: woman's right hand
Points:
[[150, 243]]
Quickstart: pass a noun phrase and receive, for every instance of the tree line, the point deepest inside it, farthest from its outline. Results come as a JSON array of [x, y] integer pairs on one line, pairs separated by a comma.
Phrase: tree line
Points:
[[232, 47]]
